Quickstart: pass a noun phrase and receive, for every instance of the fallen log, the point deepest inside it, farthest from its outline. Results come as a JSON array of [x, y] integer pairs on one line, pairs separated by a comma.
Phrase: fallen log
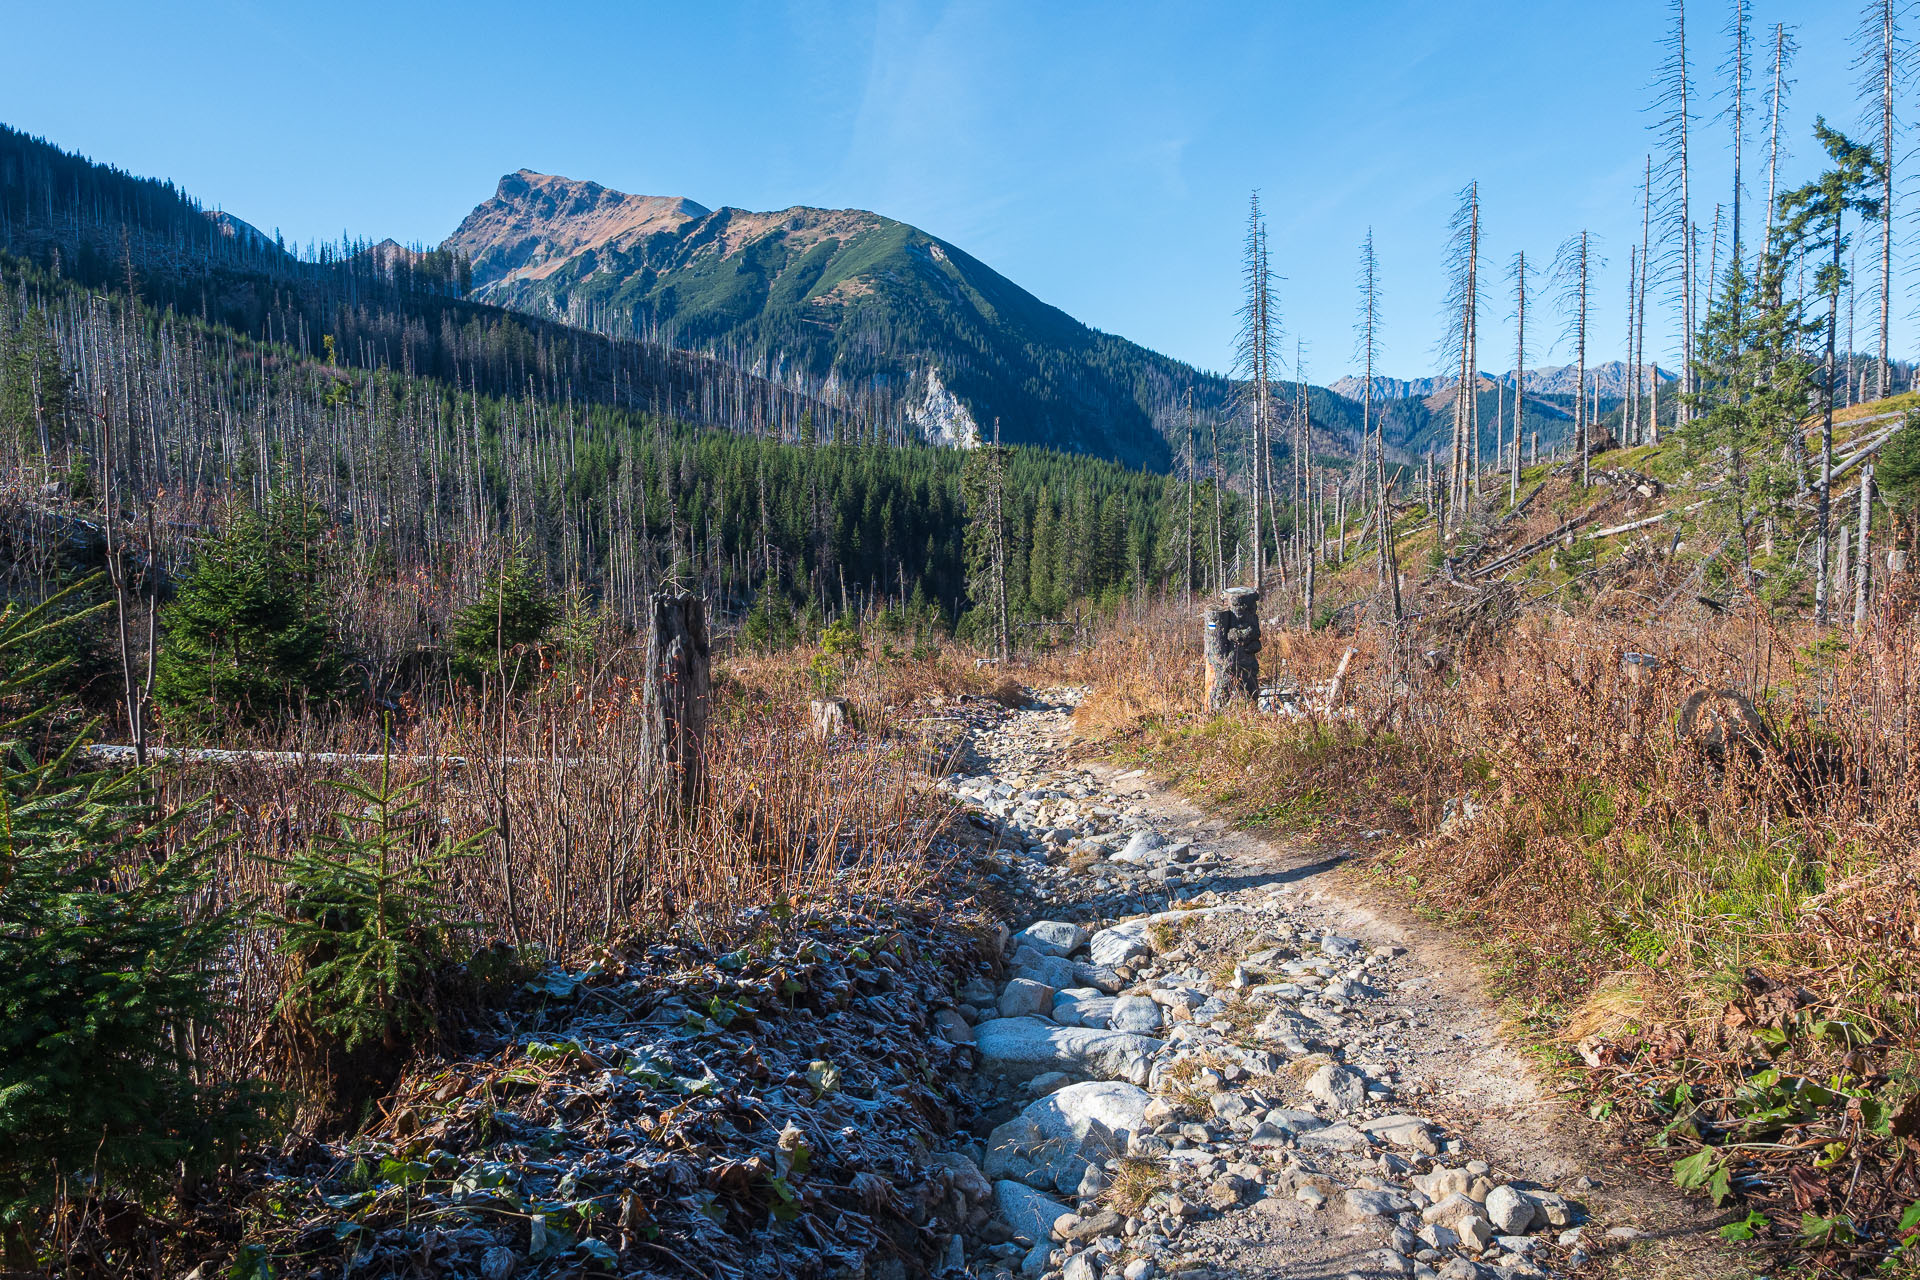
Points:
[[1538, 544], [1652, 519], [122, 752]]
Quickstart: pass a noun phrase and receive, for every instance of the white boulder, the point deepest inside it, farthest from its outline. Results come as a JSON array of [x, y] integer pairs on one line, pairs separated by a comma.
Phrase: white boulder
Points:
[[1059, 1136]]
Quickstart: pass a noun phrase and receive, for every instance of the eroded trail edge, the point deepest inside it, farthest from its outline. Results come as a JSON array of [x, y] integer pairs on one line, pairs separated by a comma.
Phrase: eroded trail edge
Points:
[[1208, 1055]]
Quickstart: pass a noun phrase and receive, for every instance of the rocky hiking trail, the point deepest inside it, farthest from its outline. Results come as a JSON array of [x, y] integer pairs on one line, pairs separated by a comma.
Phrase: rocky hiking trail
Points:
[[1113, 1040], [1209, 1055]]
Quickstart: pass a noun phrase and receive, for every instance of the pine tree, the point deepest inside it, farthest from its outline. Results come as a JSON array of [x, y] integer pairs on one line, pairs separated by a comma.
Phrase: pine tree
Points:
[[36, 392], [1754, 386], [250, 634], [1814, 219]]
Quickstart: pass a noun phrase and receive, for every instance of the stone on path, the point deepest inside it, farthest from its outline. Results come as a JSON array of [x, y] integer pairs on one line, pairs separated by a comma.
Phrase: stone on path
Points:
[[1053, 971], [1411, 1132], [1121, 944], [1377, 1204], [1026, 998], [1099, 977], [1058, 1137], [1509, 1211], [952, 1026], [1031, 1045], [1052, 937], [966, 1175], [1142, 847], [1135, 1013], [1030, 1213], [1338, 1086], [1076, 1008]]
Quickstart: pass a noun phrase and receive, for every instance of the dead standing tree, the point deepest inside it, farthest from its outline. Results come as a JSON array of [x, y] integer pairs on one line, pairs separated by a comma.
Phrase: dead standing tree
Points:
[[1457, 349], [1737, 74], [1366, 332], [1646, 416], [1783, 51], [1573, 265], [1518, 273], [1674, 107], [674, 703], [1258, 339], [1881, 59]]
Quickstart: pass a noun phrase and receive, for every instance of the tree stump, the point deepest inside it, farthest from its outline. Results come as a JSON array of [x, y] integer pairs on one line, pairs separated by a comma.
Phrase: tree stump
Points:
[[1721, 723], [1233, 649], [831, 717], [674, 703]]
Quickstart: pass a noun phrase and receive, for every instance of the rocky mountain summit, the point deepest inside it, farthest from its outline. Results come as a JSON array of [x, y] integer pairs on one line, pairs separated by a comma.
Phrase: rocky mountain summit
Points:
[[841, 301], [1612, 380]]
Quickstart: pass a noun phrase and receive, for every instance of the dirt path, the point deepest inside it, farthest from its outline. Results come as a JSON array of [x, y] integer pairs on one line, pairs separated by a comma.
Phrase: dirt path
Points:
[[1229, 1056]]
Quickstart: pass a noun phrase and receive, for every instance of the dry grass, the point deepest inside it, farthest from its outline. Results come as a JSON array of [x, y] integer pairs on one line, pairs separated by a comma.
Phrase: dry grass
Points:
[[579, 860], [1134, 1183]]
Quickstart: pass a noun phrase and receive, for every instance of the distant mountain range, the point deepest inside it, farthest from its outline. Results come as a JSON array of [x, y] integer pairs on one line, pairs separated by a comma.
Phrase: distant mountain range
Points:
[[842, 300], [1613, 381]]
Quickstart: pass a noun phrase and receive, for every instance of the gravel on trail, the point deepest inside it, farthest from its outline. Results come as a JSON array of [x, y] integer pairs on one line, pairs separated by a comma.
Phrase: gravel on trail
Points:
[[1296, 1085]]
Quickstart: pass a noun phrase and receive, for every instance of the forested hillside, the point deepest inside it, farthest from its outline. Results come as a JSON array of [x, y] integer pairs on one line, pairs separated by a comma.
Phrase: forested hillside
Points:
[[425, 481], [406, 311]]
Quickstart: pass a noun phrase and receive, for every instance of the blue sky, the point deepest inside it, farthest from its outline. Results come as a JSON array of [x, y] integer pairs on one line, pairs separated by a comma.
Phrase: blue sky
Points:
[[1098, 154]]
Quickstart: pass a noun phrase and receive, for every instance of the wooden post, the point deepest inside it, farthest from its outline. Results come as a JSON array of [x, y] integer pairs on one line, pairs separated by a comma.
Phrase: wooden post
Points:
[[675, 702], [1233, 649]]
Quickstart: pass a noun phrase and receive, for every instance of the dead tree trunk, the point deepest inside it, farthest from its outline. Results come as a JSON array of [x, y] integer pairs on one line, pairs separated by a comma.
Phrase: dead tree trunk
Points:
[[675, 702], [1863, 586], [1233, 649]]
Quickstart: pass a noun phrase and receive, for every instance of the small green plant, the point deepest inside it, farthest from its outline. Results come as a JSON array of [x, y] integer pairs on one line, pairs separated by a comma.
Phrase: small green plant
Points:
[[505, 627], [839, 642], [366, 925]]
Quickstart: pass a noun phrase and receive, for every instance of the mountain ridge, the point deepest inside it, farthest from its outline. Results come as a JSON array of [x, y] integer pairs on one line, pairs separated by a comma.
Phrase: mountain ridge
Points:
[[1612, 380]]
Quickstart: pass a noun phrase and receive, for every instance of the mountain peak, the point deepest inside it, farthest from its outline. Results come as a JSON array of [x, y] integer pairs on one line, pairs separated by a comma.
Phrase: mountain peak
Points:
[[537, 222], [849, 299]]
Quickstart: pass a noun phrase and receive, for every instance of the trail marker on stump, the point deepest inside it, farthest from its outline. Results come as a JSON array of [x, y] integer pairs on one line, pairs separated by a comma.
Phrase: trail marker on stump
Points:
[[1233, 648]]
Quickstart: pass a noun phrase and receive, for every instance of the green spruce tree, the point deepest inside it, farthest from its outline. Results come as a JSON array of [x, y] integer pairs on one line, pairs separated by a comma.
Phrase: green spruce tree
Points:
[[250, 635], [109, 958], [505, 627]]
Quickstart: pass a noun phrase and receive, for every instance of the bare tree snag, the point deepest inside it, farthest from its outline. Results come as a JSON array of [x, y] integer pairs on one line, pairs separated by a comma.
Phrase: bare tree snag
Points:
[[674, 703]]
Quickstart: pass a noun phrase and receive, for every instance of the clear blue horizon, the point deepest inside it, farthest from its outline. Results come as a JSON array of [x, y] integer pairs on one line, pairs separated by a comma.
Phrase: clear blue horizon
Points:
[[1099, 156]]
